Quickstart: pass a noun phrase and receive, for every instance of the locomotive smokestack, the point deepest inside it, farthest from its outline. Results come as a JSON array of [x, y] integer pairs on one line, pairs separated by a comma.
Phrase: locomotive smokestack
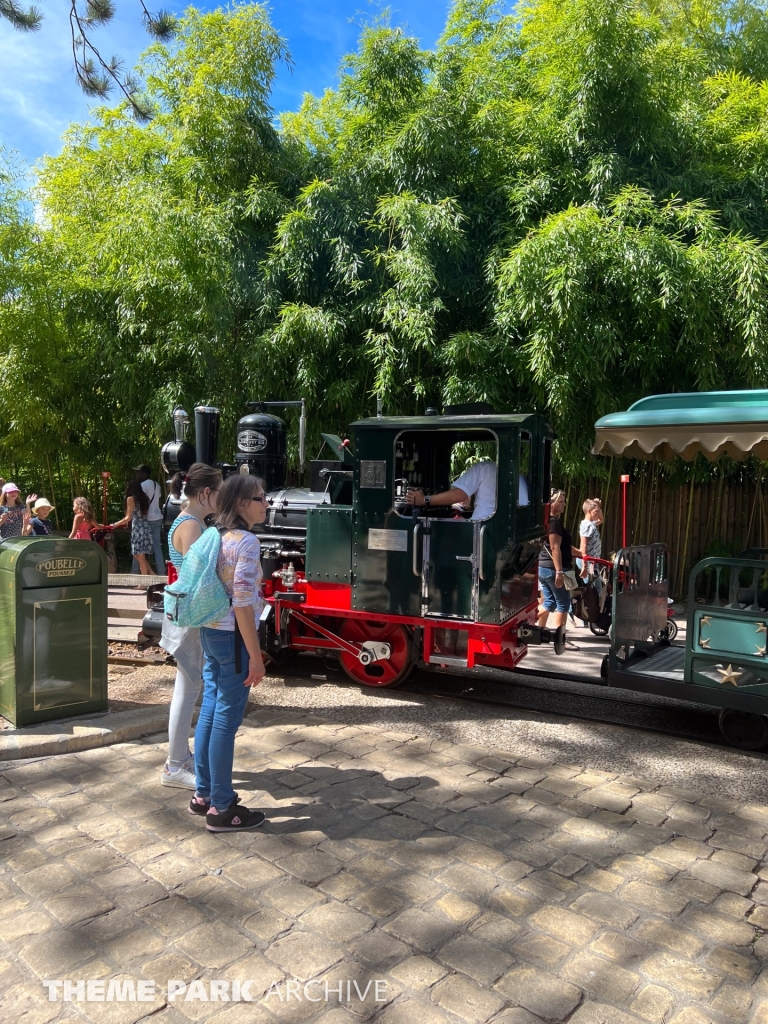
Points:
[[207, 434]]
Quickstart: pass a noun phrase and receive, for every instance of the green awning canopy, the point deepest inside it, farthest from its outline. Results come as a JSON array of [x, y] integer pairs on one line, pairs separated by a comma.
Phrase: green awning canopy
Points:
[[713, 423]]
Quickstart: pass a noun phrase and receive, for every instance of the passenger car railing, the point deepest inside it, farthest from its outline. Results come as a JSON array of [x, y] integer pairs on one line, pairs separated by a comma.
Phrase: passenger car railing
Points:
[[640, 588]]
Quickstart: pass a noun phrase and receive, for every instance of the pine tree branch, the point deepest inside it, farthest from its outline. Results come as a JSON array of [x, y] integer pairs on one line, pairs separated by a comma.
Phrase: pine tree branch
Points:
[[96, 75], [28, 20]]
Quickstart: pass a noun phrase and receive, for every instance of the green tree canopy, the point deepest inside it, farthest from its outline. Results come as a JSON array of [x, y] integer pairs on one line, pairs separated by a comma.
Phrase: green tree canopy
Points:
[[560, 207]]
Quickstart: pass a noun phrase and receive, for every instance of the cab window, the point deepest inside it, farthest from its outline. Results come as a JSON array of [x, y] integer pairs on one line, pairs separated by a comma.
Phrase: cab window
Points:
[[434, 460]]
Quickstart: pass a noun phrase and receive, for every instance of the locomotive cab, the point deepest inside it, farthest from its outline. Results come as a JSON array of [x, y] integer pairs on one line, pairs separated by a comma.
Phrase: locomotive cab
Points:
[[429, 561], [436, 561]]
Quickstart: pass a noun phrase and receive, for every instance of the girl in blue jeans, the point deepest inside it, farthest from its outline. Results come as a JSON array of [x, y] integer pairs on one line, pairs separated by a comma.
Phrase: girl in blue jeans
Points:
[[232, 658]]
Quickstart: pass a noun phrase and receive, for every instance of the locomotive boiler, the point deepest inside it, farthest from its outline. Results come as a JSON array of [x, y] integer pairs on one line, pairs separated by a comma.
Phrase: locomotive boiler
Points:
[[261, 450]]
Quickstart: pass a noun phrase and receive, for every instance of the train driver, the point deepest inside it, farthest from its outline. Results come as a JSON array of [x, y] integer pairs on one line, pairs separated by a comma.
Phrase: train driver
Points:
[[478, 480]]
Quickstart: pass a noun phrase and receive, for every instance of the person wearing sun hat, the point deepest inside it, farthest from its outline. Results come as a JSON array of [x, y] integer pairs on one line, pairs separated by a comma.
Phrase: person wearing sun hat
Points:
[[12, 511], [39, 524]]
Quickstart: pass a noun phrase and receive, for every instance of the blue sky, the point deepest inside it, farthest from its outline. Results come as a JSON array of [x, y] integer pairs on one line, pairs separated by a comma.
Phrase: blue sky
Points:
[[39, 97]]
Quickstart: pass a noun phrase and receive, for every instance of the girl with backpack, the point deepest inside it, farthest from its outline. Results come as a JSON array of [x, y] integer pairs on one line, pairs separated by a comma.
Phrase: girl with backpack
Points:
[[232, 657], [200, 488]]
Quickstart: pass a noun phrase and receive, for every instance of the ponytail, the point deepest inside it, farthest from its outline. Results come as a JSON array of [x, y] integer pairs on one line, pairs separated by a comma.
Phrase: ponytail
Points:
[[197, 478]]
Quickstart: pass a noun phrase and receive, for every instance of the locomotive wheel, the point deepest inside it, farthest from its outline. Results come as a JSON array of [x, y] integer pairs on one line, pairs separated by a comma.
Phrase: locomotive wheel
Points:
[[392, 670], [743, 729]]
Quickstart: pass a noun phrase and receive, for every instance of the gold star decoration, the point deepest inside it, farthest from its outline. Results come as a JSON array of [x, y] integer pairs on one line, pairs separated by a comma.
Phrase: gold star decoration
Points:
[[729, 675]]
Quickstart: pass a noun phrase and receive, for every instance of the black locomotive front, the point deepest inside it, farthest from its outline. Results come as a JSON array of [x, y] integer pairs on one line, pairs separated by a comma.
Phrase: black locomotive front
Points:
[[262, 451]]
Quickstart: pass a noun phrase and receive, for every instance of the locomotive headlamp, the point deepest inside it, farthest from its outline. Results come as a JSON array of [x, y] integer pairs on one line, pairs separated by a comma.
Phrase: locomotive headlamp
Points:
[[180, 423]]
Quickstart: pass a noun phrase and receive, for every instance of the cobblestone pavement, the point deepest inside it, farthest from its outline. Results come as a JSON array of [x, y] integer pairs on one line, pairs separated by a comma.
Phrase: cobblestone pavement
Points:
[[471, 883]]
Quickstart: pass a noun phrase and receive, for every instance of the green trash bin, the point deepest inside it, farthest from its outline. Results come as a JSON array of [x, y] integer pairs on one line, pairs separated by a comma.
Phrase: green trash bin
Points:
[[53, 629]]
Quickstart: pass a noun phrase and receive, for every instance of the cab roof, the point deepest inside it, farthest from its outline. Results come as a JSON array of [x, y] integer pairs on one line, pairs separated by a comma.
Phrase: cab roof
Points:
[[488, 421]]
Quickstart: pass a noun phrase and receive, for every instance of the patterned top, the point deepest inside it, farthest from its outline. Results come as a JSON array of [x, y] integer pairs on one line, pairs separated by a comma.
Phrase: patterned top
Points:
[[591, 532], [239, 569], [14, 522]]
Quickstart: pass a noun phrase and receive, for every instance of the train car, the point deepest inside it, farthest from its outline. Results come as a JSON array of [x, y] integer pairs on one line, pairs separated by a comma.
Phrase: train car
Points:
[[723, 663], [351, 568]]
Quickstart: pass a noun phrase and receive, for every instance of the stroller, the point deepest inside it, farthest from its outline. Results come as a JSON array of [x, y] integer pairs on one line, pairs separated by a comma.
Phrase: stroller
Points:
[[592, 602]]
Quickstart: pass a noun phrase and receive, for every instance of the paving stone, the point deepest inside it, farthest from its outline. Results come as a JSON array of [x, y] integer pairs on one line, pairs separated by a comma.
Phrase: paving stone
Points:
[[733, 1001], [466, 879], [694, 889], [33, 922], [495, 929], [677, 940], [650, 897], [730, 962], [735, 860], [414, 888], [214, 944], [722, 877], [252, 872], [540, 949], [603, 881], [543, 994], [564, 924], [694, 1015], [467, 1000], [476, 959], [597, 1013], [456, 908], [380, 950], [292, 898], [600, 978], [420, 929], [606, 909], [378, 902], [408, 1011], [547, 885], [45, 880], [695, 980], [619, 947], [732, 905], [303, 955], [337, 922], [653, 1003], [720, 929], [310, 867], [50, 956]]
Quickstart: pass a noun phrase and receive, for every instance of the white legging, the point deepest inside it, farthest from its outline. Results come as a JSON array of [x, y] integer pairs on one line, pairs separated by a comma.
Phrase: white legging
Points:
[[185, 694]]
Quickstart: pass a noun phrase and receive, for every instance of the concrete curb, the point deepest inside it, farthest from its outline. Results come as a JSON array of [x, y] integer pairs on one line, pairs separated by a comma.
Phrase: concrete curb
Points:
[[73, 735]]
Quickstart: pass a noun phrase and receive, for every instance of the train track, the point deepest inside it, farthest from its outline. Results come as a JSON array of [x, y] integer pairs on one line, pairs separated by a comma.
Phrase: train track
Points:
[[659, 715], [521, 692]]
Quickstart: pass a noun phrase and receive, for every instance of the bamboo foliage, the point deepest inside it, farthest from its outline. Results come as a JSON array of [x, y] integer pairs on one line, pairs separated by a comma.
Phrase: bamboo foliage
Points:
[[558, 208]]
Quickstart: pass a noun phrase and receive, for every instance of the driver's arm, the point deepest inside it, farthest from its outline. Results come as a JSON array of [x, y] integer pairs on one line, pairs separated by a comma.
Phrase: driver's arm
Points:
[[453, 496]]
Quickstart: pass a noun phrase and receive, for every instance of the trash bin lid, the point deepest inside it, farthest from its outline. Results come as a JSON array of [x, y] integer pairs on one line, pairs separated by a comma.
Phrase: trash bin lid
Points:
[[53, 561]]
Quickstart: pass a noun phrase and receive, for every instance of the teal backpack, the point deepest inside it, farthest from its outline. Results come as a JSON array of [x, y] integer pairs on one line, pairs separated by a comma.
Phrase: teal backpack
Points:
[[198, 597]]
